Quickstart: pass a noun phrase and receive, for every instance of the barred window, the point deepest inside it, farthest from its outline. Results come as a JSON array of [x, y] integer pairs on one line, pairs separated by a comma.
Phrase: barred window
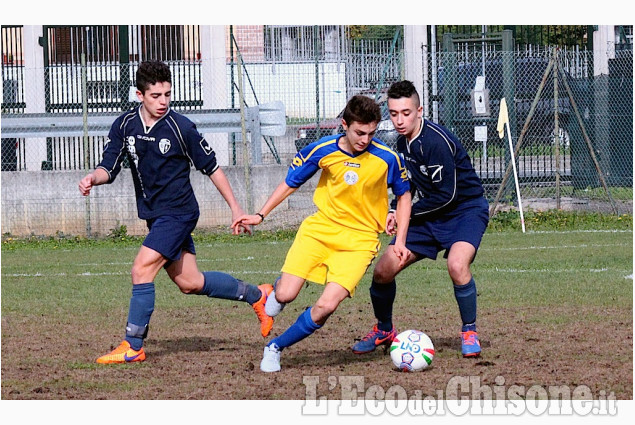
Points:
[[302, 43]]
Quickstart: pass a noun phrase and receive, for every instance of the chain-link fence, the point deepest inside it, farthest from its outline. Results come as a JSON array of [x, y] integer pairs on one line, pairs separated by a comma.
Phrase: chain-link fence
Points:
[[571, 129], [572, 132]]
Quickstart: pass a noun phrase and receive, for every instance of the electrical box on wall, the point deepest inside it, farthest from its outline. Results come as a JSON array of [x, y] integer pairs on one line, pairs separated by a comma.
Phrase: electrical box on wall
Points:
[[480, 98]]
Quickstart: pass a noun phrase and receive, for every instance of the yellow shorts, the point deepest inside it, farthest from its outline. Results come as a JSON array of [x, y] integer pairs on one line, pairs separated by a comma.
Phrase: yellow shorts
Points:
[[321, 253]]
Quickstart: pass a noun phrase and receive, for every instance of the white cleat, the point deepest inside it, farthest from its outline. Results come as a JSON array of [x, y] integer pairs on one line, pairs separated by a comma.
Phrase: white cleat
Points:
[[272, 306], [270, 359]]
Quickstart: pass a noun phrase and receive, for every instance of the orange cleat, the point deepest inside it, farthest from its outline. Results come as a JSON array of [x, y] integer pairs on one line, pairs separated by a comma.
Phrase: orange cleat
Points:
[[123, 354], [266, 322]]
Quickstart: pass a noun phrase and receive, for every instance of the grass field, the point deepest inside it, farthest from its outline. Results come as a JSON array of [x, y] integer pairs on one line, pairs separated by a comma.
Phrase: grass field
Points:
[[555, 309]]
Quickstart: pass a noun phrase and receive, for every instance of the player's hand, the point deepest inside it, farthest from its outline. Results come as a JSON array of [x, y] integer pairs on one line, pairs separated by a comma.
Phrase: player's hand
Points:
[[246, 221], [86, 184], [401, 252], [239, 226], [391, 224]]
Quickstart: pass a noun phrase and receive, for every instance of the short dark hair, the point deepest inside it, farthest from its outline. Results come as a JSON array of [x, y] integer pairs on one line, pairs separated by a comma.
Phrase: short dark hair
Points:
[[403, 88], [152, 72], [361, 109]]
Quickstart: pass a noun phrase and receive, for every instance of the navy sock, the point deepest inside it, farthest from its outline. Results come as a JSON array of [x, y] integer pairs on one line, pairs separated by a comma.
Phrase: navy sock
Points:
[[141, 308], [303, 327], [227, 287], [382, 295], [466, 299]]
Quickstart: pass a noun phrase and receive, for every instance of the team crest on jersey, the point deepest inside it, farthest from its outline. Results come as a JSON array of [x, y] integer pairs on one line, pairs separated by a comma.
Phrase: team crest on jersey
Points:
[[351, 177], [164, 146], [352, 164], [206, 147]]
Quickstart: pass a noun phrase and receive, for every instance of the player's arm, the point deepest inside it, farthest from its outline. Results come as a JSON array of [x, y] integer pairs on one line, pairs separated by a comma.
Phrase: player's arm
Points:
[[221, 182], [110, 164], [97, 177], [391, 218], [402, 216], [281, 193]]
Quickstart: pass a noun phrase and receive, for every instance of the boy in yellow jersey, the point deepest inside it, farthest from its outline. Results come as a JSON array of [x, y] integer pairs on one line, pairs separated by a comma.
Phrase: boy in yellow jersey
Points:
[[335, 246]]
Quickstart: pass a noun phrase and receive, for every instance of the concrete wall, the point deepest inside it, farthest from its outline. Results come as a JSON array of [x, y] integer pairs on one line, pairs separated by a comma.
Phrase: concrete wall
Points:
[[49, 202]]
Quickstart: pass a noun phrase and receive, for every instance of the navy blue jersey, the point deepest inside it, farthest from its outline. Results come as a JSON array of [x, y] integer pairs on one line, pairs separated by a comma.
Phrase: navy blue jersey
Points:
[[160, 159], [440, 171]]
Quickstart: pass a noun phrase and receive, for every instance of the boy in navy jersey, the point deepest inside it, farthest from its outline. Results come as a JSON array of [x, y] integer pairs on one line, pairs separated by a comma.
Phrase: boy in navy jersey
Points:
[[449, 213], [161, 145]]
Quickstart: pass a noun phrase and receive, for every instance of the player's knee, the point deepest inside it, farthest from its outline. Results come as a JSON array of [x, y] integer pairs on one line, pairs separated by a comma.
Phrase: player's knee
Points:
[[459, 270], [324, 308], [284, 295], [138, 274], [383, 274]]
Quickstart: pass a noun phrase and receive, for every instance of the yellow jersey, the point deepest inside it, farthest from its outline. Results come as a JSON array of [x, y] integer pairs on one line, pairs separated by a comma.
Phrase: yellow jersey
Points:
[[353, 189]]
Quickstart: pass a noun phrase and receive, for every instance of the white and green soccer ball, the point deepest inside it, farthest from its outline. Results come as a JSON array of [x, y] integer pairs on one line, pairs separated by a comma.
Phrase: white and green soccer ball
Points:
[[411, 351]]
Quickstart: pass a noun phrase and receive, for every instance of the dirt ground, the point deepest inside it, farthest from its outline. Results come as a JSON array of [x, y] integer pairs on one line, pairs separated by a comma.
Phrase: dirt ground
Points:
[[194, 355]]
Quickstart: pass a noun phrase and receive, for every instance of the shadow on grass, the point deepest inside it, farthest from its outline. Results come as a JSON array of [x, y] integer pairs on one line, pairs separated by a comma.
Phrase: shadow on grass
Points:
[[191, 345]]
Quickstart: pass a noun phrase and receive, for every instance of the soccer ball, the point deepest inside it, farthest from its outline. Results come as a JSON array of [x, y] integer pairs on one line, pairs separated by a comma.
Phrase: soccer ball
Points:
[[411, 351]]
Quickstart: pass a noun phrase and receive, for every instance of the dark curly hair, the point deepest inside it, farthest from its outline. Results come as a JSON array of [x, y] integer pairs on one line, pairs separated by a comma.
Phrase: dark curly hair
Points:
[[403, 88], [152, 72], [361, 109]]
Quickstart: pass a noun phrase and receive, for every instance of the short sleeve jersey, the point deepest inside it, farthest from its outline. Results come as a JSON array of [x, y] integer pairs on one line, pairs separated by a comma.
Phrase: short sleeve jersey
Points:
[[160, 158], [353, 189]]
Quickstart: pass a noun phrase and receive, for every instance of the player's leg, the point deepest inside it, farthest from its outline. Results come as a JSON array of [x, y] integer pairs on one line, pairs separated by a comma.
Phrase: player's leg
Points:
[[383, 290], [463, 232], [459, 259], [422, 244], [146, 265], [312, 319], [185, 273], [304, 259]]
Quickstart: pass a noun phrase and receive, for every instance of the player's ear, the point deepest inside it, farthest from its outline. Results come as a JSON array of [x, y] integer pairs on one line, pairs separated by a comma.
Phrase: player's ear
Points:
[[139, 95], [344, 125]]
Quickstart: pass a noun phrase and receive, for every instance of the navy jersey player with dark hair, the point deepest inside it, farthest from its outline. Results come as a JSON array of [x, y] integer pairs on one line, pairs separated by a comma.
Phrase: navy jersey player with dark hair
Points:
[[449, 213], [161, 146]]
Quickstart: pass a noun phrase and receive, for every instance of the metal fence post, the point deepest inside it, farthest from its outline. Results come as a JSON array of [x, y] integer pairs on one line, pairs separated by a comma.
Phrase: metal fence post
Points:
[[509, 92], [86, 150], [246, 156]]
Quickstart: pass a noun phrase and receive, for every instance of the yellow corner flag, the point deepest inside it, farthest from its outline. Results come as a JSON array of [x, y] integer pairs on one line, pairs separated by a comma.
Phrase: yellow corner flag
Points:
[[503, 118]]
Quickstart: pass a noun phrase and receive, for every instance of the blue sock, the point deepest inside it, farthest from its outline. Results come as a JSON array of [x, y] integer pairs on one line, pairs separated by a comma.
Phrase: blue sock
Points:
[[382, 297], [141, 308], [303, 327], [227, 287], [466, 299]]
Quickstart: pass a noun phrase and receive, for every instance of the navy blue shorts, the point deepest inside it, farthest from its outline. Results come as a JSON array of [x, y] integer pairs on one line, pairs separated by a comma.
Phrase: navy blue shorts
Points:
[[171, 234], [466, 223]]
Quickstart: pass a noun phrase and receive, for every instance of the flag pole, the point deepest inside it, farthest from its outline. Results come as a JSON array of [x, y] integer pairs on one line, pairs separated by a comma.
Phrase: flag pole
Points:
[[503, 118]]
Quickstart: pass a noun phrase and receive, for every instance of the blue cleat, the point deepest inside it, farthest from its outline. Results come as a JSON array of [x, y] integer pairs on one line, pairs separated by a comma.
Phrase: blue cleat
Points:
[[374, 339], [470, 345]]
